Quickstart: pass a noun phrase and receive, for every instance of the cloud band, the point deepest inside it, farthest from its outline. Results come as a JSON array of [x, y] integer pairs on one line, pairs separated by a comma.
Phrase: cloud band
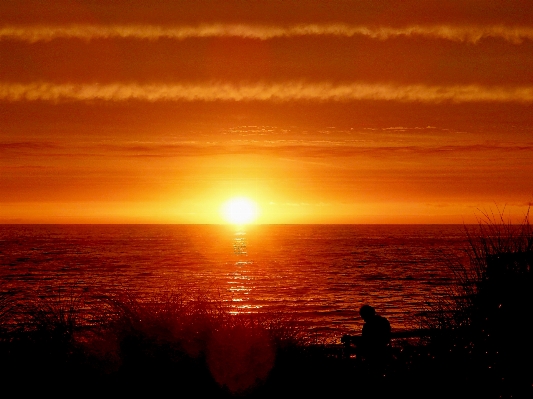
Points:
[[285, 91], [472, 34]]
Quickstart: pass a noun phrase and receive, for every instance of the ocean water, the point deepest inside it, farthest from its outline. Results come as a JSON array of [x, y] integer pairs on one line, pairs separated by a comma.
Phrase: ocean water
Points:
[[319, 275]]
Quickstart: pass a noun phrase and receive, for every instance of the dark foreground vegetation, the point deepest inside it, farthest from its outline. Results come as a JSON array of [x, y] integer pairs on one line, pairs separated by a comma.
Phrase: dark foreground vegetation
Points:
[[479, 343]]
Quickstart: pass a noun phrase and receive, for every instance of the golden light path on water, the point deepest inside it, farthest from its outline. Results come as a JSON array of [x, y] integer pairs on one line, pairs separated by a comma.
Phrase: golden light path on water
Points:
[[239, 280], [240, 211]]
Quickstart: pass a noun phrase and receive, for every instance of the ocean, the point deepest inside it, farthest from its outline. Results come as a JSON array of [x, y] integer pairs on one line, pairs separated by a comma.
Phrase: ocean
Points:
[[318, 275]]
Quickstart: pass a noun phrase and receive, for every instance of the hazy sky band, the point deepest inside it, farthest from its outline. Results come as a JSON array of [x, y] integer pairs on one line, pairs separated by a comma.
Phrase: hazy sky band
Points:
[[285, 91], [471, 34]]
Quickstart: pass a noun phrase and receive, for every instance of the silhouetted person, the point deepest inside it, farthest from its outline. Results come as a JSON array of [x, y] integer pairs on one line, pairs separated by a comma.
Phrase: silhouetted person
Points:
[[373, 344], [376, 330]]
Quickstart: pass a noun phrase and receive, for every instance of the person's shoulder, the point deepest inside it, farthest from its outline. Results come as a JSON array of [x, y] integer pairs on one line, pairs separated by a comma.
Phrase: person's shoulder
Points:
[[382, 320]]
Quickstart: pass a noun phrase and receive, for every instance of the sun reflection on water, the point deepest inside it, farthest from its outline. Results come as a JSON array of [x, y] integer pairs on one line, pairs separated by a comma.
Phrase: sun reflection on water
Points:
[[240, 279], [239, 244]]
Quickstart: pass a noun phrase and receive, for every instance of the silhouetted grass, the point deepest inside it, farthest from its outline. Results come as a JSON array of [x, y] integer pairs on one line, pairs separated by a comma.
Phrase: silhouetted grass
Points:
[[193, 346], [482, 330], [122, 343]]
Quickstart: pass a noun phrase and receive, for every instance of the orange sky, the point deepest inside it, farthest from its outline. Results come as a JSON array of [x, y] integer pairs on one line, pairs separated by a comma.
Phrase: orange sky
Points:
[[322, 112]]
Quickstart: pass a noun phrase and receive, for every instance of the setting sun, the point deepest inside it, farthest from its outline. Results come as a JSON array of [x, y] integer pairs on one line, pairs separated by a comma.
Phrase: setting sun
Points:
[[239, 210]]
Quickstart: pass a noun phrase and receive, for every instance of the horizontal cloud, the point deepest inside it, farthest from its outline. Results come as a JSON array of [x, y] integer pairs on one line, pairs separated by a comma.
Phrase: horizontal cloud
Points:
[[285, 91], [472, 34], [281, 148]]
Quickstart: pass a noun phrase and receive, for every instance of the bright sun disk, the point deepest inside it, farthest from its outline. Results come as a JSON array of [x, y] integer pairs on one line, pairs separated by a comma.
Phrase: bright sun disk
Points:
[[239, 210]]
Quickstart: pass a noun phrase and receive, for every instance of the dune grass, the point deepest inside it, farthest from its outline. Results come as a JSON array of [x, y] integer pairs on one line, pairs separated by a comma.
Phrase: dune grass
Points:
[[483, 328], [118, 341]]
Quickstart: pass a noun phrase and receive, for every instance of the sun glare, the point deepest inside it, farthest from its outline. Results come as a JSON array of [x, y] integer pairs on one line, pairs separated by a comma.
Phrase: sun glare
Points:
[[239, 210]]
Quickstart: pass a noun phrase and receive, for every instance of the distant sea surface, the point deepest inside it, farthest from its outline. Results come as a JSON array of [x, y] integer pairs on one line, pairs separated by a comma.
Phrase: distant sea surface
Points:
[[318, 274]]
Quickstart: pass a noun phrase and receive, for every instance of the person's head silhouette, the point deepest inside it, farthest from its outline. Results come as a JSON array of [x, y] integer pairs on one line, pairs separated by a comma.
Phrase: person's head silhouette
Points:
[[367, 312]]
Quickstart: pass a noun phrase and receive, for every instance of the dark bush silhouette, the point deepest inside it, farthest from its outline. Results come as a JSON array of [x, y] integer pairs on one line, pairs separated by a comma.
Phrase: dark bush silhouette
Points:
[[483, 336]]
